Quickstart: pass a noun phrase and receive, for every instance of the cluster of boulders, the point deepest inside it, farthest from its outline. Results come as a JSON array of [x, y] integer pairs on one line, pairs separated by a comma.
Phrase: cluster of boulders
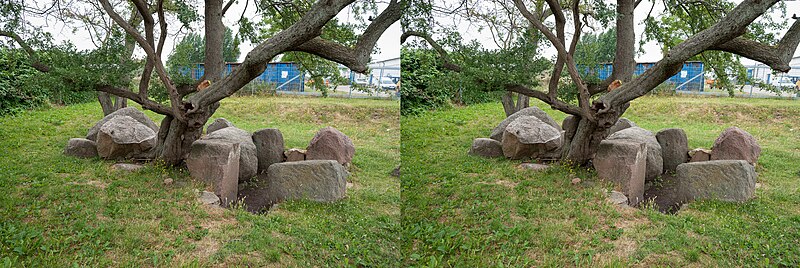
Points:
[[256, 170], [662, 168], [124, 134], [528, 133], [641, 164], [251, 168]]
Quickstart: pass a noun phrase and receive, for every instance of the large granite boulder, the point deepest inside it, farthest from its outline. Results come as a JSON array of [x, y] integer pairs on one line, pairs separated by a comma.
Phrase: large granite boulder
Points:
[[216, 162], [497, 132], [124, 137], [674, 147], [317, 180], [527, 136], [488, 148], [736, 144], [624, 163], [655, 162], [331, 144], [621, 124], [269, 147], [139, 116], [218, 124], [248, 162], [726, 180], [81, 148]]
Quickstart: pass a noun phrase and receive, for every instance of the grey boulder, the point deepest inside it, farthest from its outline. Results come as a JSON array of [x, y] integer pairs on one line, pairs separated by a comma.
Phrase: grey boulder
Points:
[[623, 163], [497, 132], [725, 180], [674, 147], [248, 161], [317, 180], [527, 136], [216, 162], [331, 144], [269, 147], [736, 144], [123, 137], [655, 162], [484, 147], [81, 148], [218, 124], [621, 124], [137, 115]]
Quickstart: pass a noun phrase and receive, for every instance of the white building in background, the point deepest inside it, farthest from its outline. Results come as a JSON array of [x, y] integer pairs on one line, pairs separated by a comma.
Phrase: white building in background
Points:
[[765, 74], [379, 71]]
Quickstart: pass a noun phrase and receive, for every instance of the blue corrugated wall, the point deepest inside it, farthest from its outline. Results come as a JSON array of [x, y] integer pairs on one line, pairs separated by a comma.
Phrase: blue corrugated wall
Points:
[[286, 75], [692, 70]]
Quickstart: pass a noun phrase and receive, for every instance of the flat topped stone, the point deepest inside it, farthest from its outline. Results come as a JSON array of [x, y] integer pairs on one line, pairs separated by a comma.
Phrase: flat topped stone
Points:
[[655, 160], [725, 180]]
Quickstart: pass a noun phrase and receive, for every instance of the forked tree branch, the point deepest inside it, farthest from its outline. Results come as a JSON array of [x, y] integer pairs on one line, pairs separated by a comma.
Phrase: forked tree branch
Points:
[[734, 24], [776, 57], [355, 58], [306, 28], [151, 53]]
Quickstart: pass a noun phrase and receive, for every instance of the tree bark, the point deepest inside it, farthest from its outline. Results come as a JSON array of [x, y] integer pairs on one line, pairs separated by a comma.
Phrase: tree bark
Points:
[[214, 31]]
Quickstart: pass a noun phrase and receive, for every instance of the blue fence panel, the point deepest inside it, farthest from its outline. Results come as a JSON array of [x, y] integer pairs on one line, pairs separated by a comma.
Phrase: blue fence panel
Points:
[[286, 75], [690, 78]]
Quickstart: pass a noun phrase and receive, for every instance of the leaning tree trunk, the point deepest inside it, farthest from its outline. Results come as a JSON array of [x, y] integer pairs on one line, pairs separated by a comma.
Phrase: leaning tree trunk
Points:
[[175, 137]]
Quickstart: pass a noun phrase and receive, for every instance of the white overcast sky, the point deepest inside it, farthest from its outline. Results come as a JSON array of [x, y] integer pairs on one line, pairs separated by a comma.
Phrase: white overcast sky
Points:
[[652, 51], [388, 45]]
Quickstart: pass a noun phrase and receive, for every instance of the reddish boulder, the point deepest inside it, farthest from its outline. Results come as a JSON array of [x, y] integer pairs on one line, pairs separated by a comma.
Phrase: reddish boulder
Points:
[[331, 144], [736, 144]]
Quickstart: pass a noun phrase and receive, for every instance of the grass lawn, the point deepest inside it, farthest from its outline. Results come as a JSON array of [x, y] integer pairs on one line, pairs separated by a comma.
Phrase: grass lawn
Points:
[[465, 211], [60, 211]]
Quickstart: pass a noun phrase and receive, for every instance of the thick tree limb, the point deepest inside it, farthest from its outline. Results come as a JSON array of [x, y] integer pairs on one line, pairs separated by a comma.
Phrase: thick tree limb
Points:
[[308, 27], [731, 26], [776, 57], [355, 58], [443, 55]]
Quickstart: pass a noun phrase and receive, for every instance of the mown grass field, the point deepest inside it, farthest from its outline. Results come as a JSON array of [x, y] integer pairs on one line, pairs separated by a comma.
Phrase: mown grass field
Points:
[[465, 211], [60, 211]]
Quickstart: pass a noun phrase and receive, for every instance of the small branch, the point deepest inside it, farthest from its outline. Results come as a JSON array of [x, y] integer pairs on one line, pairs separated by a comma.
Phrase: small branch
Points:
[[443, 55], [228, 5], [554, 102], [145, 102], [35, 63]]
